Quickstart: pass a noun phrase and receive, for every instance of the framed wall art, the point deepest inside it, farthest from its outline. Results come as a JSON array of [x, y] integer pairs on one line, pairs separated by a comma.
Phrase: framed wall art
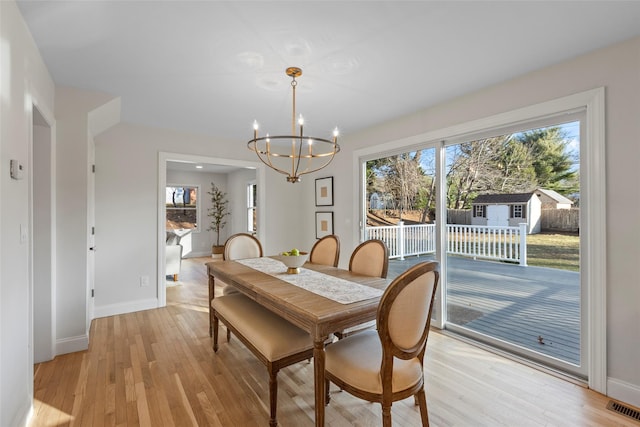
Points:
[[324, 191], [324, 224]]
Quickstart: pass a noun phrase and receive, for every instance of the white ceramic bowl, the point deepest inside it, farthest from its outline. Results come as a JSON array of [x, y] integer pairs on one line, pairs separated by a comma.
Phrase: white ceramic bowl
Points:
[[293, 263]]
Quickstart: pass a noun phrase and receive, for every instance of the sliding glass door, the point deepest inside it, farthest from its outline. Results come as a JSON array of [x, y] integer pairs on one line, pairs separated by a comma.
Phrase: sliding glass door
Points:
[[500, 209], [513, 242], [400, 199]]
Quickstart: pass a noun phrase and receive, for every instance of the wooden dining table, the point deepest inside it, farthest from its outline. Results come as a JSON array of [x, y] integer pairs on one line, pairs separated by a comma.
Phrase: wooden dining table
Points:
[[318, 315]]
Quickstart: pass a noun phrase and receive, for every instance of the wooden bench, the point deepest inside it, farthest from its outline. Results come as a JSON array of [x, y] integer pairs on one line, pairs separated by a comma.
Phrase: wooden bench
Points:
[[274, 341]]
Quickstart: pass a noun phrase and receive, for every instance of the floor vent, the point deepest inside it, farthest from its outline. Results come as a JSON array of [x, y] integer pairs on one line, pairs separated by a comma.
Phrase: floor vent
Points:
[[624, 410]]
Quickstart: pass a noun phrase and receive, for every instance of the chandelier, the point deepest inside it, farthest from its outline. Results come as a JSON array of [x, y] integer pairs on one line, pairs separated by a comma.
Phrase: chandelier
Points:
[[296, 154]]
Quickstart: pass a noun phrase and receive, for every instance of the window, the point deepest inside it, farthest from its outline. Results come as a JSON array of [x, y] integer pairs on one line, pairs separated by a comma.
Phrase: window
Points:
[[479, 211], [182, 207], [251, 208], [517, 211]]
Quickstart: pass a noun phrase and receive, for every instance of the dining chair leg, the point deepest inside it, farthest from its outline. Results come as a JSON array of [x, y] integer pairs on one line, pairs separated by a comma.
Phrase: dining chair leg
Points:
[[422, 401], [327, 397], [228, 335], [215, 333], [386, 414], [273, 397], [210, 319], [211, 285]]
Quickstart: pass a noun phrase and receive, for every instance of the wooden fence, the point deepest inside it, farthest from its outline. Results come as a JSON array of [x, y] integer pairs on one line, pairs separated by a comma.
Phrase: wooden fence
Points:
[[560, 220], [458, 216]]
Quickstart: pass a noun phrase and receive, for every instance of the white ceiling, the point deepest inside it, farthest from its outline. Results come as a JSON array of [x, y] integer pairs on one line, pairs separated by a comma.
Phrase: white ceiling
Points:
[[212, 67]]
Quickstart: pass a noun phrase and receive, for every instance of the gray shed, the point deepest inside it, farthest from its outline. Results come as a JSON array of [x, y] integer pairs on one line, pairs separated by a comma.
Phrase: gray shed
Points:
[[507, 210]]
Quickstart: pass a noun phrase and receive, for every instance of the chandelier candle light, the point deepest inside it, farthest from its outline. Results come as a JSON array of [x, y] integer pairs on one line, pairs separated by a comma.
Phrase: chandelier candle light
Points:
[[296, 154]]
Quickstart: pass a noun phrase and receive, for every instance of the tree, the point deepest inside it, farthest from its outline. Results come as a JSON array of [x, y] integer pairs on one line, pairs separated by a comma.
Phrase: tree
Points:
[[405, 180], [474, 167], [551, 159], [427, 199], [399, 176], [218, 211], [510, 163]]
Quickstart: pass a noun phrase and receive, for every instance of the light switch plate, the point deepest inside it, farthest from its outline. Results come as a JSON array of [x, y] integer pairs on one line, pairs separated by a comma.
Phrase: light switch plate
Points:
[[17, 170]]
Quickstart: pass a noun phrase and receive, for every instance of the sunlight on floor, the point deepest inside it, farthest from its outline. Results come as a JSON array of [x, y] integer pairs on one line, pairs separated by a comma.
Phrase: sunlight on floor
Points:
[[54, 416]]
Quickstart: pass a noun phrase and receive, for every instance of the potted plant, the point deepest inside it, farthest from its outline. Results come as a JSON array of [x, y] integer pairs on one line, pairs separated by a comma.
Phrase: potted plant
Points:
[[217, 212]]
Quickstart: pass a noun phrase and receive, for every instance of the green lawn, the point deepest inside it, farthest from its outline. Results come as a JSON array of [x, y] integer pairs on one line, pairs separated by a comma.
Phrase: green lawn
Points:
[[554, 251]]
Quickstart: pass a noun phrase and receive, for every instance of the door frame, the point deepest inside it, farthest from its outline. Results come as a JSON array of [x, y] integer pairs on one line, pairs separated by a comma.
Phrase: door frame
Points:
[[46, 259]]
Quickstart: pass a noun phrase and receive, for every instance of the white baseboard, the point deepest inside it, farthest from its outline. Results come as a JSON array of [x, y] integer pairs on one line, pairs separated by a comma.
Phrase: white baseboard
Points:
[[623, 391], [127, 307], [72, 344]]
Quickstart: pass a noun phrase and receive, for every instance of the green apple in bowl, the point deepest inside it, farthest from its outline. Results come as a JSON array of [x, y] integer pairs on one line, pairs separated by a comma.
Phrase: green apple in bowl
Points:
[[293, 260]]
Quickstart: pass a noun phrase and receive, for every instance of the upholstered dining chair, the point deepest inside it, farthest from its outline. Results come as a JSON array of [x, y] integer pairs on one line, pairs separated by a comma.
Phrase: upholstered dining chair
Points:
[[369, 258], [237, 246], [326, 251], [386, 365]]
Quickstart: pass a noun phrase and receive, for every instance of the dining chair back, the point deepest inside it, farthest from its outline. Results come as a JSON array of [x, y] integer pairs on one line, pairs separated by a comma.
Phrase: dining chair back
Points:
[[387, 365], [326, 251], [242, 245], [370, 258]]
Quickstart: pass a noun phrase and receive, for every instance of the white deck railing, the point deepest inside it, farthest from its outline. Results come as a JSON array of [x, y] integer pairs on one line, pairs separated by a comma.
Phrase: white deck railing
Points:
[[499, 243]]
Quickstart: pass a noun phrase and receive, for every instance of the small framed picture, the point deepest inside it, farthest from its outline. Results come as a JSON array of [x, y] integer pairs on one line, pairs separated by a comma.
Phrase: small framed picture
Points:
[[324, 191], [324, 224]]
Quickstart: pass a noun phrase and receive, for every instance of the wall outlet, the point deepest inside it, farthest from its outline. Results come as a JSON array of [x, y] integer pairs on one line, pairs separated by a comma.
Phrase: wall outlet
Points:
[[144, 281]]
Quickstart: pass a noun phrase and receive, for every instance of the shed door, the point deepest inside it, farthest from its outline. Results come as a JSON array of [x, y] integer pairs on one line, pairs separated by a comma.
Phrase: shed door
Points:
[[498, 215]]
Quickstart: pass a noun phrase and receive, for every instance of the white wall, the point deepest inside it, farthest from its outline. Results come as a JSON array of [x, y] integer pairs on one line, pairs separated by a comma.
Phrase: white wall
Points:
[[72, 107], [617, 69], [24, 80], [127, 209]]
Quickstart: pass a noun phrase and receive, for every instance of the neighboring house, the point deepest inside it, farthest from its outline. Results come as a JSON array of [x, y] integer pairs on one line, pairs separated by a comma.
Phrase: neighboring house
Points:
[[552, 200], [380, 201], [507, 210], [375, 202]]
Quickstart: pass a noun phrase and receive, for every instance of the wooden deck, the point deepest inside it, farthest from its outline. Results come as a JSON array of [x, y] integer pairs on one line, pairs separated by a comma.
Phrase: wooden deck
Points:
[[533, 307]]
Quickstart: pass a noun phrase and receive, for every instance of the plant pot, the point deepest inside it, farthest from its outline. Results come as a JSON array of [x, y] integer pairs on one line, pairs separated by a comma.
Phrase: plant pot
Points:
[[217, 250]]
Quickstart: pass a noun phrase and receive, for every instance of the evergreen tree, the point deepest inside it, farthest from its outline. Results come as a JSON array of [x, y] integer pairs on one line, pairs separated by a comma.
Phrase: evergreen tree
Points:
[[551, 160]]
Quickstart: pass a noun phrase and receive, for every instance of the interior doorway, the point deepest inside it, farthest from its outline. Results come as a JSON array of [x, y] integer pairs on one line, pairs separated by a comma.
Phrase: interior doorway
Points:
[[226, 165]]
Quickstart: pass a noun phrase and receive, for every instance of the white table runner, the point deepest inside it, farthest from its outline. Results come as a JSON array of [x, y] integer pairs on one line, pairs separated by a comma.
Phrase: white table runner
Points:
[[334, 288]]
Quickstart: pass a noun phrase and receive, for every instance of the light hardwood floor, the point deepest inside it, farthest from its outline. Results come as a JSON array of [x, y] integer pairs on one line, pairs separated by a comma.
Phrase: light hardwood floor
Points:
[[157, 368]]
